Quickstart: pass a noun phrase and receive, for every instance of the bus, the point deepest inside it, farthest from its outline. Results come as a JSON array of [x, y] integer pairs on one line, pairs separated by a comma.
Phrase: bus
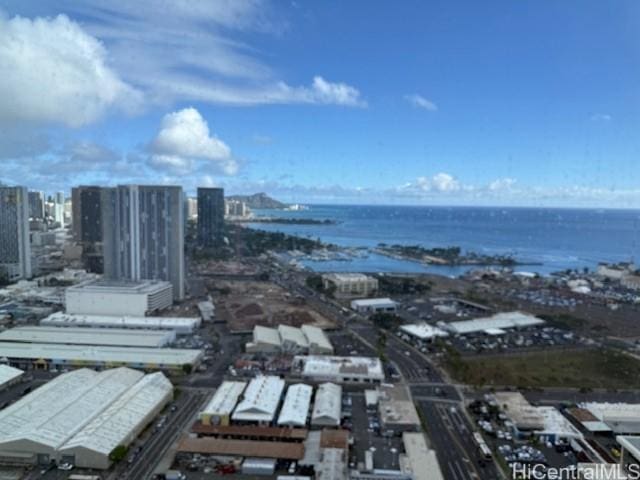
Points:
[[482, 446]]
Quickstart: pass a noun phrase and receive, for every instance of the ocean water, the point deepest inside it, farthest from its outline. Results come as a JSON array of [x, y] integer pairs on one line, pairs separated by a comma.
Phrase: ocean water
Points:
[[558, 239]]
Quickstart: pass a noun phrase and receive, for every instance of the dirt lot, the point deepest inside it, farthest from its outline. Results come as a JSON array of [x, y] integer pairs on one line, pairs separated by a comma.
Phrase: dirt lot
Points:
[[251, 303]]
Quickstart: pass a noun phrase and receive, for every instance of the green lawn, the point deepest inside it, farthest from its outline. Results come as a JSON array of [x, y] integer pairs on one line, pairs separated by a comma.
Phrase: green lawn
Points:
[[577, 369]]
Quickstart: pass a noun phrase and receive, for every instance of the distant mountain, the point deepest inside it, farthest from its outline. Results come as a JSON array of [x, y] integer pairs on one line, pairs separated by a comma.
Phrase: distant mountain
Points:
[[259, 201]]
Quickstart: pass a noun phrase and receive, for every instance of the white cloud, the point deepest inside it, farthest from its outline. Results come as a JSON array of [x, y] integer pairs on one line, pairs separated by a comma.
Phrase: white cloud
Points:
[[54, 72], [419, 101], [601, 117], [501, 184], [440, 182], [184, 142]]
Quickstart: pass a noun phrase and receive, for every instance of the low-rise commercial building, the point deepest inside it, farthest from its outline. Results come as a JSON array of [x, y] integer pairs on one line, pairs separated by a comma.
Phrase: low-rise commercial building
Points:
[[327, 407], [45, 356], [260, 401], [619, 418], [494, 324], [397, 411], [181, 325], [350, 284], [419, 461], [423, 331], [286, 339], [117, 337], [119, 298], [295, 409], [339, 369], [374, 305], [9, 376], [540, 421], [81, 417], [218, 410]]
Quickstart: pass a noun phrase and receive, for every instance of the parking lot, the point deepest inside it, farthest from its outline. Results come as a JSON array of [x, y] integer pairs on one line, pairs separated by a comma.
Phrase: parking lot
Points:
[[365, 428]]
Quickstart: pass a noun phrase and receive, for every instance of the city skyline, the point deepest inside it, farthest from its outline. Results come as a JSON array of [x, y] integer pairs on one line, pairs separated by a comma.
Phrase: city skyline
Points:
[[515, 104]]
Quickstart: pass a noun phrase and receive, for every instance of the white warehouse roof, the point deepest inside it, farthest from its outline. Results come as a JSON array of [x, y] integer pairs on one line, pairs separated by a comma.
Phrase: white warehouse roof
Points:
[[423, 331], [88, 336], [225, 399], [179, 324], [261, 399], [327, 408], [372, 302], [9, 374], [296, 405], [340, 368], [318, 340], [498, 321], [289, 339], [95, 410], [292, 336], [92, 355]]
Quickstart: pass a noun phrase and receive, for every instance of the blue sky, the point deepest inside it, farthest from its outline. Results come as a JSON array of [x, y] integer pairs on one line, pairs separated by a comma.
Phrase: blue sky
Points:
[[412, 102]]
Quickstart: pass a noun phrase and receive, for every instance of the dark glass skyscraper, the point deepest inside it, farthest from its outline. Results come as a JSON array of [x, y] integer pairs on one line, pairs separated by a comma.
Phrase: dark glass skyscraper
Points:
[[210, 216]]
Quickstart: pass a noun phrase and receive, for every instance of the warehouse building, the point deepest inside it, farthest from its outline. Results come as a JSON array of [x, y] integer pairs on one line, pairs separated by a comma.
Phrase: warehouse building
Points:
[[339, 369], [374, 305], [286, 339], [218, 410], [116, 337], [397, 411], [260, 401], [327, 407], [46, 356], [493, 325], [423, 331], [295, 408], [119, 298], [350, 284], [81, 417], [619, 418], [180, 325], [539, 421], [9, 376], [419, 461]]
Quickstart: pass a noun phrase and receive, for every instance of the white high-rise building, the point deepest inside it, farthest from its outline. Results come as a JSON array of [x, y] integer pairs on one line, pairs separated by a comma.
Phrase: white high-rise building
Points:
[[15, 249]]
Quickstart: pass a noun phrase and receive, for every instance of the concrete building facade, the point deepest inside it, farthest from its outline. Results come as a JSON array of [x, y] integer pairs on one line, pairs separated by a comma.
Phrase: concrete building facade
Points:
[[15, 248], [144, 234]]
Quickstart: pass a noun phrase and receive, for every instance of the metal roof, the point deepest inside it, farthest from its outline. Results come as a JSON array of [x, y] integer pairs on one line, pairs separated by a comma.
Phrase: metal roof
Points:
[[330, 366], [9, 374], [292, 335], [84, 407], [328, 403], [130, 287], [421, 462], [500, 321], [225, 399], [296, 405], [261, 399], [88, 336], [373, 302], [243, 448], [166, 323], [423, 331], [316, 337], [100, 354]]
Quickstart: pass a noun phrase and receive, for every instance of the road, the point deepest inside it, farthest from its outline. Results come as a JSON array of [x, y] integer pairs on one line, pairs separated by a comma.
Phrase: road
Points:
[[189, 403]]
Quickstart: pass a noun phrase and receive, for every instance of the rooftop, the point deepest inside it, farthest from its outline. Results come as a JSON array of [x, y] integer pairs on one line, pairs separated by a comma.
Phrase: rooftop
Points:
[[295, 408], [87, 336], [373, 302], [261, 399], [100, 354], [498, 321], [328, 402], [120, 286], [421, 461], [9, 374], [277, 433], [225, 399], [423, 331], [328, 366], [95, 410], [167, 323], [243, 448]]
